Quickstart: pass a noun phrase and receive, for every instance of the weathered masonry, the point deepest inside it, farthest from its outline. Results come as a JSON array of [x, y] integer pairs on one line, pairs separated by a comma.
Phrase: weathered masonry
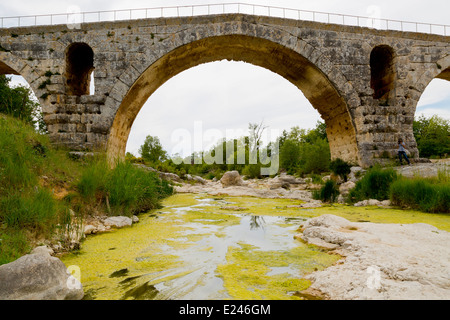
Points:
[[365, 83]]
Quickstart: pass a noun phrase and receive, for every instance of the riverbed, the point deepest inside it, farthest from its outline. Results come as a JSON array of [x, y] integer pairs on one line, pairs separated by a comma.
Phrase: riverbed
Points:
[[204, 247]]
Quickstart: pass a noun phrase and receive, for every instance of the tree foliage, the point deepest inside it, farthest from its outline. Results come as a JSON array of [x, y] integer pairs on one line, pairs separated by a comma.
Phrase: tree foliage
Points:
[[18, 102], [152, 150], [305, 151], [432, 136]]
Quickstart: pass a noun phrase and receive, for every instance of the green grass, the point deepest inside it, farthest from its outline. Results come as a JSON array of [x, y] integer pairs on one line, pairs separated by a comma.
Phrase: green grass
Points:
[[34, 210], [124, 190], [39, 185], [374, 185], [13, 244], [428, 195]]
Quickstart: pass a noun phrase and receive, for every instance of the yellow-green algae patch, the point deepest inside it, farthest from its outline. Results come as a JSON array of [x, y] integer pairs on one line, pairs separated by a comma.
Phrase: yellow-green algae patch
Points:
[[386, 215], [139, 249], [284, 207], [247, 272], [152, 253]]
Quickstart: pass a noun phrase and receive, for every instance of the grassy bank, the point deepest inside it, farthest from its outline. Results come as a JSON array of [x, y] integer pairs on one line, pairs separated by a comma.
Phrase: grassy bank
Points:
[[43, 190], [427, 195], [430, 195]]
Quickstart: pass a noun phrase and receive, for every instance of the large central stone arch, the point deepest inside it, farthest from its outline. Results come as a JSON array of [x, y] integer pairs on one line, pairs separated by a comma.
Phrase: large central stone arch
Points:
[[322, 92]]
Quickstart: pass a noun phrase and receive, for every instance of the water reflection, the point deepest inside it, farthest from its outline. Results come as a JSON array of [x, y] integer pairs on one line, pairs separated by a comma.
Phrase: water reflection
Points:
[[204, 236], [257, 222]]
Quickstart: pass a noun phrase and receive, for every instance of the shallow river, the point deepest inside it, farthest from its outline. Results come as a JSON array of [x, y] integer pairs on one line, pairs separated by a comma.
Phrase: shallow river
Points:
[[202, 247]]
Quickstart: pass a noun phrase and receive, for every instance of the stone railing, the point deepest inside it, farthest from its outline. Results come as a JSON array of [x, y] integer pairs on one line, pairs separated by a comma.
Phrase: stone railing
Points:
[[75, 17]]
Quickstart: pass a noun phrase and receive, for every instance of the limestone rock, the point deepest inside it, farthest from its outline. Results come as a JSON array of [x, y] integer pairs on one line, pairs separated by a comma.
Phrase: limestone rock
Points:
[[89, 229], [169, 176], [345, 187], [355, 174], [231, 178], [373, 202], [283, 177], [199, 179], [382, 261], [118, 222], [38, 276]]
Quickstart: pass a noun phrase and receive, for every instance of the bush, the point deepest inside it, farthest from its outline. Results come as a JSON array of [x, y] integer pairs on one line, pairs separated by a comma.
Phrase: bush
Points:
[[133, 190], [20, 160], [374, 185], [124, 190], [340, 168], [421, 194], [252, 171], [328, 193]]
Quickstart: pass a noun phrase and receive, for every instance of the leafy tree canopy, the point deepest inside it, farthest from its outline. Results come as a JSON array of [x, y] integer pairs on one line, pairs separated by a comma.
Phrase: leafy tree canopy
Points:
[[19, 102]]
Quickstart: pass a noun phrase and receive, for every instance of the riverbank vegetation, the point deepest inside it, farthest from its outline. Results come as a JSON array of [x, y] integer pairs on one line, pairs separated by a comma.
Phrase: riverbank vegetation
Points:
[[43, 190]]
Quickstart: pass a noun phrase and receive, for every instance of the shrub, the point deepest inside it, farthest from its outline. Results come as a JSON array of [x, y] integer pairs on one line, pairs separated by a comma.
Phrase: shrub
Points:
[[125, 190], [374, 185], [340, 168], [252, 171], [421, 194], [328, 193], [20, 161]]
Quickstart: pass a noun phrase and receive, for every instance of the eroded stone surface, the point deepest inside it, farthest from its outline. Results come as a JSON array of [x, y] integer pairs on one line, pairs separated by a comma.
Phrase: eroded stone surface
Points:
[[382, 261]]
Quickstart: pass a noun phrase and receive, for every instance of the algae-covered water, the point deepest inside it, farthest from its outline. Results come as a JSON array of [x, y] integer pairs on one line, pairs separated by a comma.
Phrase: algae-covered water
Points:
[[200, 247]]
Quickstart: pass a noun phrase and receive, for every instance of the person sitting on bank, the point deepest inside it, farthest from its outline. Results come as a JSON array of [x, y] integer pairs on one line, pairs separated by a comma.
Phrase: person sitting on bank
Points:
[[402, 151]]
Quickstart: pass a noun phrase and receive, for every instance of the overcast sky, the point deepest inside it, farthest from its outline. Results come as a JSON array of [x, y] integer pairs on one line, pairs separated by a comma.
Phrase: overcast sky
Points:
[[224, 95]]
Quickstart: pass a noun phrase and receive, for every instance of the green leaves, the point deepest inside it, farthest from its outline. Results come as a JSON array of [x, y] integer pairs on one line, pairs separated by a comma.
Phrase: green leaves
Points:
[[152, 150], [432, 136]]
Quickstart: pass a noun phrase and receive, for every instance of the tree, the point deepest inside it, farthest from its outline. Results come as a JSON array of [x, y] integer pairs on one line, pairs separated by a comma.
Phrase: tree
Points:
[[20, 103], [255, 136], [290, 156], [303, 151], [432, 136], [152, 150]]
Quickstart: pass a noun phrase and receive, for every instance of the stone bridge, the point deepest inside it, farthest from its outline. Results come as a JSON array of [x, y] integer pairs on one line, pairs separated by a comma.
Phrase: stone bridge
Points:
[[365, 83]]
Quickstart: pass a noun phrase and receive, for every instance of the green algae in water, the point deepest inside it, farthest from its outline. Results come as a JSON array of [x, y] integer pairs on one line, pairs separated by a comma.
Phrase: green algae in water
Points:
[[248, 273], [193, 249], [386, 215]]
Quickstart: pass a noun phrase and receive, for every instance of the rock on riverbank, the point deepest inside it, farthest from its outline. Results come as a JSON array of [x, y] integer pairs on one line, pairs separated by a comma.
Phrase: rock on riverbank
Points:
[[382, 261], [38, 276]]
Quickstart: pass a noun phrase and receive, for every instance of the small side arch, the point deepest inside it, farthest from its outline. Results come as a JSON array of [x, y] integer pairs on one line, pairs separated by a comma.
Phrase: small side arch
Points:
[[79, 66], [382, 72]]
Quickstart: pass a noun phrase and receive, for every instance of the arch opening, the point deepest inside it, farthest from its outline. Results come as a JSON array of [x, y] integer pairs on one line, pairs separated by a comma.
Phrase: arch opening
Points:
[[198, 96], [382, 72], [432, 116], [79, 67], [316, 87], [28, 109]]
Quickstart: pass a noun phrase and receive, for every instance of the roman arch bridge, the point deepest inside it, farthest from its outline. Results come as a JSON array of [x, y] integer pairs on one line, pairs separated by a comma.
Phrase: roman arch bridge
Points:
[[364, 82]]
